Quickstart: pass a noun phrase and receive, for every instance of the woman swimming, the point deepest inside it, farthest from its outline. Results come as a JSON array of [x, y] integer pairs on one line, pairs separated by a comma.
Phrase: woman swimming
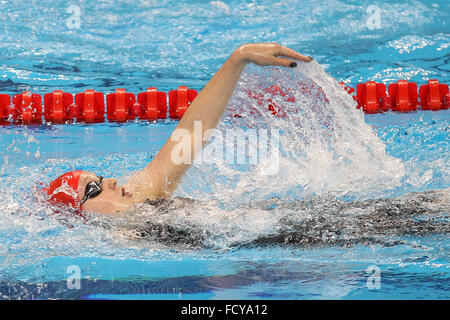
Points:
[[83, 190]]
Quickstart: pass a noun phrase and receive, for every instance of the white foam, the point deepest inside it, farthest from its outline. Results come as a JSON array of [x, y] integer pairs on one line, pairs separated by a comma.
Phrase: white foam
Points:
[[326, 146]]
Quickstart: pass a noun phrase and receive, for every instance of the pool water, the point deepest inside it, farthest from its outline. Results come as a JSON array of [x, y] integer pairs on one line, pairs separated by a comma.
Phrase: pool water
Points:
[[358, 210]]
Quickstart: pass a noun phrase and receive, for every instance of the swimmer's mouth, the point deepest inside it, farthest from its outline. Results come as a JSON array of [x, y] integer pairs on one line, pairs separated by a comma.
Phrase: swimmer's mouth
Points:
[[125, 194]]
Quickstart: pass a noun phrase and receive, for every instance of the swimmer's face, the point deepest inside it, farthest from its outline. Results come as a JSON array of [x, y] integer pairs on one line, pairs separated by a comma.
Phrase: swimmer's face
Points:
[[111, 199]]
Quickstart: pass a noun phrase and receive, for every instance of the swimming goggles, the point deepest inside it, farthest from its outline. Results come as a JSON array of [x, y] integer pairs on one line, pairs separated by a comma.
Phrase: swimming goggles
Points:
[[93, 189]]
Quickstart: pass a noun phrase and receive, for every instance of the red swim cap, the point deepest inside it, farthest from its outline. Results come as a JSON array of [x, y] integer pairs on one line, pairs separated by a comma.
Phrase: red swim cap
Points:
[[64, 189]]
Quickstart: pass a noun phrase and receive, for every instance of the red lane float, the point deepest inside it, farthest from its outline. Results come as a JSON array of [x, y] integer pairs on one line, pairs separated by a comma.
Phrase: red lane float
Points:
[[434, 96], [89, 107], [5, 102], [264, 100], [26, 108], [403, 95], [272, 106], [120, 106], [350, 90], [180, 100], [153, 104], [58, 106], [371, 97]]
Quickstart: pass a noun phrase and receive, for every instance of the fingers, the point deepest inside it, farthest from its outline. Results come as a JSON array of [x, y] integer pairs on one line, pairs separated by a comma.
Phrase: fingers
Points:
[[285, 62], [264, 54], [285, 51]]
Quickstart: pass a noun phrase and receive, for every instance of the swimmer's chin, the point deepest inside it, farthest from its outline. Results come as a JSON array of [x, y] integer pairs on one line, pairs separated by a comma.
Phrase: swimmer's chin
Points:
[[111, 207]]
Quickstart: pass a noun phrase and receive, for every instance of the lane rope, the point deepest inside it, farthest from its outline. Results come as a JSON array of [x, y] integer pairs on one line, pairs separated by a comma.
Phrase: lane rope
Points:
[[60, 107]]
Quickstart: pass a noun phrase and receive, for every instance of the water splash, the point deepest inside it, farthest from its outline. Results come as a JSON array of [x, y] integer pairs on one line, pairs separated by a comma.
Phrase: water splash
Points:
[[326, 148], [318, 221], [328, 153]]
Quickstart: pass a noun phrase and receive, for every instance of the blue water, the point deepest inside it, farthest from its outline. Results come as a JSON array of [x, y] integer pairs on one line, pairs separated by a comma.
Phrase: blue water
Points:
[[312, 250]]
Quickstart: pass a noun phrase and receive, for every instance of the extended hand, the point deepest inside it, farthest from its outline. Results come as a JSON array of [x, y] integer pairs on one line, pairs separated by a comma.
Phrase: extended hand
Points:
[[267, 54], [160, 178]]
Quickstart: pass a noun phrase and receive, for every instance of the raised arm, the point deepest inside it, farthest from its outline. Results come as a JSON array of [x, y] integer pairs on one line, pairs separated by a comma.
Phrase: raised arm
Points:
[[161, 177]]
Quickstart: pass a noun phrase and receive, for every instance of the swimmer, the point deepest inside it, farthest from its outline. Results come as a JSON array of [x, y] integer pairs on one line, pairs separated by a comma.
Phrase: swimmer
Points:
[[86, 191]]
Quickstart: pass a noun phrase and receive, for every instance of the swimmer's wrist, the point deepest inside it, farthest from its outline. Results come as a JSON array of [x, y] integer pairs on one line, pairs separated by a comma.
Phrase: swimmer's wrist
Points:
[[239, 57]]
